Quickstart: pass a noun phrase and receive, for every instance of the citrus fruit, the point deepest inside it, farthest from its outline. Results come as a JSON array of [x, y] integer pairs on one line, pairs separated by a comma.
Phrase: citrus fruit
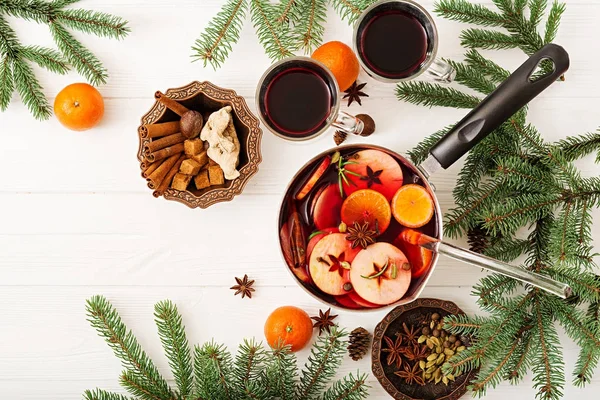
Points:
[[378, 171], [79, 106], [367, 205], [379, 274], [288, 325], [412, 206], [341, 61], [419, 257]]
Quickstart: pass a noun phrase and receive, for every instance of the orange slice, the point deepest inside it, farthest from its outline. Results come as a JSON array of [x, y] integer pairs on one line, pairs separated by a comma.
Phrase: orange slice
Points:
[[367, 205], [412, 206]]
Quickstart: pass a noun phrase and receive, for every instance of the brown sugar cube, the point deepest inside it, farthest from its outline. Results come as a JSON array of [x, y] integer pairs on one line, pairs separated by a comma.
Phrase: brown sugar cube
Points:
[[201, 180], [215, 175], [201, 158], [212, 162], [181, 181], [190, 167], [193, 147]]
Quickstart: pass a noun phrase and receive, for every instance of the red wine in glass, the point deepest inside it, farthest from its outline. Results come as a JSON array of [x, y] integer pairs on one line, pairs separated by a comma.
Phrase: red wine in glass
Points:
[[393, 44]]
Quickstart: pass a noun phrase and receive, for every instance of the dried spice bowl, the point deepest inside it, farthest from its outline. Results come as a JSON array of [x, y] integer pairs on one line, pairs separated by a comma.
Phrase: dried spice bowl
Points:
[[412, 314], [206, 98]]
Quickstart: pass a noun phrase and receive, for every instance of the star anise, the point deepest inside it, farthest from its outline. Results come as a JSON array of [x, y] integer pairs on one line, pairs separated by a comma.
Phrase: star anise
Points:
[[394, 349], [360, 235], [355, 92], [244, 286], [411, 374], [416, 352], [324, 321], [411, 335], [372, 177]]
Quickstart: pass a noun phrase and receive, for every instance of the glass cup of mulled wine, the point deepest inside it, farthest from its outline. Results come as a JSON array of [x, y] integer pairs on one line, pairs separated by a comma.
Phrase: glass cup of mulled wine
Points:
[[397, 40], [298, 99]]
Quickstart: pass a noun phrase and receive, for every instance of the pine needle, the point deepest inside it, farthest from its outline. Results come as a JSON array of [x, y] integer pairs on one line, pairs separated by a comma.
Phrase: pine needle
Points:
[[45, 58], [30, 90], [276, 39], [309, 30], [6, 83], [94, 22], [433, 94]]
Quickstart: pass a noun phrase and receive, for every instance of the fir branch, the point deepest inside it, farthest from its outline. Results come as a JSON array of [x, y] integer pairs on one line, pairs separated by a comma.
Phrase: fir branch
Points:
[[175, 343], [472, 78], [281, 372], [249, 370], [553, 21], [536, 11], [430, 94], [222, 32], [30, 90], [488, 39], [7, 86], [213, 368], [419, 153], [349, 388], [521, 361], [309, 30], [462, 324], [463, 11], [492, 373], [288, 11], [33, 10], [99, 394], [94, 22], [325, 357], [350, 10], [45, 58], [576, 147], [494, 287], [107, 322], [139, 388], [83, 60], [489, 68], [276, 39]]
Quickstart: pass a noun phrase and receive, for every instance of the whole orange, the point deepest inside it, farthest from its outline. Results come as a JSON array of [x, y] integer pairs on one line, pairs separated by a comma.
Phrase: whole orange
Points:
[[341, 61], [290, 325], [79, 106]]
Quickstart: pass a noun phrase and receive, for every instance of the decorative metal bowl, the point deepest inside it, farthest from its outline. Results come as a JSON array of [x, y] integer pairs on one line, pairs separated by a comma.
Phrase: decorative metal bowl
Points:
[[396, 386], [206, 97]]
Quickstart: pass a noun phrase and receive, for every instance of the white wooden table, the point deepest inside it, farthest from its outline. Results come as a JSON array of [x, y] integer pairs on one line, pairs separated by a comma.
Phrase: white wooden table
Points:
[[76, 218]]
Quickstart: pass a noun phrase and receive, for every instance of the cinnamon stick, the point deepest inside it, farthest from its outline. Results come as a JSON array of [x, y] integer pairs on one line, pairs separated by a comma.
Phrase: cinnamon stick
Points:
[[150, 168], [297, 238], [167, 181], [160, 129], [171, 104], [156, 177], [163, 142], [164, 153]]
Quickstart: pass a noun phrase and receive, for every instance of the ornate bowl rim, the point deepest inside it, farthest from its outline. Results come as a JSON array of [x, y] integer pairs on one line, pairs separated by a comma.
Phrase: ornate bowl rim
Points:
[[379, 332], [251, 146]]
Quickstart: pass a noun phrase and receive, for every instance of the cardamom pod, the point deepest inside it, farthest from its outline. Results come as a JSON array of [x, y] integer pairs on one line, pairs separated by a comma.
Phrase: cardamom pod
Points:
[[448, 352], [460, 348], [427, 375], [445, 380], [432, 357], [431, 369], [422, 339], [438, 379], [450, 377], [422, 364], [429, 364], [432, 324]]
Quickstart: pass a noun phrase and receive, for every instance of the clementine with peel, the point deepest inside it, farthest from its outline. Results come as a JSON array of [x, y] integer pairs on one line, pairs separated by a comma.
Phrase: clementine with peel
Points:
[[412, 206], [79, 106], [288, 325], [341, 61]]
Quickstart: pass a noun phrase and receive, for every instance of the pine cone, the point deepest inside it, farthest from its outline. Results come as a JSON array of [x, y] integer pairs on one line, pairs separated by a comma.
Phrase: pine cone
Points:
[[478, 239], [360, 340], [339, 137]]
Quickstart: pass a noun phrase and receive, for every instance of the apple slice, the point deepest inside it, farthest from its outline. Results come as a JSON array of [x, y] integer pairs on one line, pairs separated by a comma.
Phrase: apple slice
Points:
[[378, 274], [347, 302], [419, 258], [315, 239], [314, 178], [378, 170], [327, 263], [360, 301], [327, 208]]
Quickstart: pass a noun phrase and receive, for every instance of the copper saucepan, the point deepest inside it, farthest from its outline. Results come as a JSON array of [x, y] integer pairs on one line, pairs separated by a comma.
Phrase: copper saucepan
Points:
[[509, 97]]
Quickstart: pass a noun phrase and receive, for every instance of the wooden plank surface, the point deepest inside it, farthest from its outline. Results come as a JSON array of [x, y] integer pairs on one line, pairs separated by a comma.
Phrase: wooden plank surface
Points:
[[77, 220]]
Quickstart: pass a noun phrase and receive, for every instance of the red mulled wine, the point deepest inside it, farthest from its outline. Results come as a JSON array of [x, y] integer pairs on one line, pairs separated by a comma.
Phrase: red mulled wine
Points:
[[297, 101], [393, 43]]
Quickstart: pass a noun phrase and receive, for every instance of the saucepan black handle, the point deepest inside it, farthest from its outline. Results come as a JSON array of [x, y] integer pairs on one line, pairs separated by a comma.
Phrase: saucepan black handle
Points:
[[510, 96]]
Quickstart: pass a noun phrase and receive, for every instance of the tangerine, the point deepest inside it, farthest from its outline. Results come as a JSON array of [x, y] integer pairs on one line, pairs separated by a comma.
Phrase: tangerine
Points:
[[341, 61], [412, 206], [79, 106], [367, 205], [288, 325]]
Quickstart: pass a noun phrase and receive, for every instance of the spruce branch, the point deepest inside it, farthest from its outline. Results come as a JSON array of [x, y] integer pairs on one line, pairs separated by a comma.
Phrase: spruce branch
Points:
[[288, 11], [493, 71], [469, 13], [488, 39], [30, 89], [213, 368], [576, 147], [350, 10], [325, 357], [107, 322], [308, 32], [281, 372], [139, 388], [7, 86], [433, 94], [45, 58], [276, 39], [553, 21], [472, 77], [175, 343], [94, 22], [349, 388], [99, 394], [419, 153], [217, 40]]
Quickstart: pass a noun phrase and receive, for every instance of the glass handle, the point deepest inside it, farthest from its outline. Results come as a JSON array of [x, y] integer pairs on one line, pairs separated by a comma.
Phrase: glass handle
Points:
[[441, 71], [348, 123], [543, 282]]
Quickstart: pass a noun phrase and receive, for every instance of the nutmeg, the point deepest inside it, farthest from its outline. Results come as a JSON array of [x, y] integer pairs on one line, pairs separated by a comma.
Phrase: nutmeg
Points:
[[191, 124], [369, 127]]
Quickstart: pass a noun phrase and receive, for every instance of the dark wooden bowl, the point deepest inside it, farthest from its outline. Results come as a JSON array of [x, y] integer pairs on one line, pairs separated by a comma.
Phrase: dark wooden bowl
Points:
[[206, 97], [394, 385]]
